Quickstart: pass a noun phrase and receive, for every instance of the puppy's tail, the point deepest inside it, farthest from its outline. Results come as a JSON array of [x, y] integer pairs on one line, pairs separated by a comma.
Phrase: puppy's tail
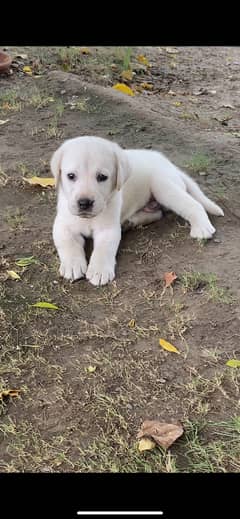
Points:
[[197, 193]]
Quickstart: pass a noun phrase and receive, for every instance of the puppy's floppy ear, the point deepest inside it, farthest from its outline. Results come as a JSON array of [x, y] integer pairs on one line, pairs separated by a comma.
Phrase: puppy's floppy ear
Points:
[[123, 167], [56, 164]]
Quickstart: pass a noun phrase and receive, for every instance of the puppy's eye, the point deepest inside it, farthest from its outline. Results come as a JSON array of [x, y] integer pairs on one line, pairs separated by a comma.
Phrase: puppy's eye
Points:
[[101, 177], [71, 176]]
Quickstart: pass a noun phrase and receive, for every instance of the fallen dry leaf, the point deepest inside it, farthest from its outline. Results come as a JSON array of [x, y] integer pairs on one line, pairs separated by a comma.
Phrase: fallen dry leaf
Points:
[[124, 89], [9, 392], [147, 86], [139, 88], [169, 278], [13, 275], [168, 346], [142, 59], [91, 369], [3, 121], [233, 363], [40, 181], [177, 103], [132, 323], [27, 70], [145, 444], [165, 434], [127, 75]]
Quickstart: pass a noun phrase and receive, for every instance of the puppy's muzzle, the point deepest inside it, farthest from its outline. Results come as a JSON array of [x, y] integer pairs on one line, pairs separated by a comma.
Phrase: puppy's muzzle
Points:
[[85, 204]]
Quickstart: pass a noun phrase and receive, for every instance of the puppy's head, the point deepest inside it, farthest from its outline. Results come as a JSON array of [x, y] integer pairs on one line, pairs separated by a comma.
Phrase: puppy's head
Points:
[[89, 170]]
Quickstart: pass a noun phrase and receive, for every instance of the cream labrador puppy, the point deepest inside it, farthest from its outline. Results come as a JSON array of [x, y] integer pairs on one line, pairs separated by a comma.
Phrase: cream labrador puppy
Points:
[[101, 186]]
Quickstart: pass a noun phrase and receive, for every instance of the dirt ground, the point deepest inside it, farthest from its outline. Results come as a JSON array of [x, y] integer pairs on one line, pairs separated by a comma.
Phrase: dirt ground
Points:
[[91, 372]]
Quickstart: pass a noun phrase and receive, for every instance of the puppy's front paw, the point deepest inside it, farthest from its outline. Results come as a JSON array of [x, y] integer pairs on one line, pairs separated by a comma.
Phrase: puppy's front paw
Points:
[[202, 229], [99, 274], [73, 267]]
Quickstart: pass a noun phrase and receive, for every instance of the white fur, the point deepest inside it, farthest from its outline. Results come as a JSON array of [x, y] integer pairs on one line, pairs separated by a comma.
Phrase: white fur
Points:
[[133, 177]]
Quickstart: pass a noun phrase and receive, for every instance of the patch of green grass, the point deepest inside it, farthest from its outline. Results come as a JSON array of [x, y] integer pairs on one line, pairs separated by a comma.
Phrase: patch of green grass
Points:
[[192, 281], [10, 101], [26, 171], [53, 132], [37, 131], [59, 108], [40, 100], [220, 454], [178, 322], [127, 58], [27, 449], [115, 454], [122, 57], [15, 220], [69, 57], [78, 104], [199, 162]]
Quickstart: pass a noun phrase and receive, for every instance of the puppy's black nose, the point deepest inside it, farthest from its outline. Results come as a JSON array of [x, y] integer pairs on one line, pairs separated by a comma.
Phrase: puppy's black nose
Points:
[[85, 204]]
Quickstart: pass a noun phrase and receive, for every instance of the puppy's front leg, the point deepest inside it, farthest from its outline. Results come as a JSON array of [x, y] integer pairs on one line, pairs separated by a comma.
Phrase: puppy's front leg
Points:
[[101, 268], [70, 248]]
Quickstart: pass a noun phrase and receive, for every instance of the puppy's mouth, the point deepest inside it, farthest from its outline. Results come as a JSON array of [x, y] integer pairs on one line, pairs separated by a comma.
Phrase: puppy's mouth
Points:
[[82, 214], [86, 215]]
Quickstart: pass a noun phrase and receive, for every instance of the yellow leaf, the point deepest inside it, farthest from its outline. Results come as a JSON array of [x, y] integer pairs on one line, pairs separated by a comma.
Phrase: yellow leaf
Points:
[[168, 346], [131, 323], [91, 369], [233, 363], [40, 181], [27, 70], [145, 444], [127, 75], [142, 59], [147, 86], [85, 50], [124, 89], [177, 103], [43, 304], [9, 392], [13, 275]]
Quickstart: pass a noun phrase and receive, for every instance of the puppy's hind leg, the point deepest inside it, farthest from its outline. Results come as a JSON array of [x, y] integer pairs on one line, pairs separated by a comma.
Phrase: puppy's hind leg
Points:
[[144, 218], [174, 197]]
